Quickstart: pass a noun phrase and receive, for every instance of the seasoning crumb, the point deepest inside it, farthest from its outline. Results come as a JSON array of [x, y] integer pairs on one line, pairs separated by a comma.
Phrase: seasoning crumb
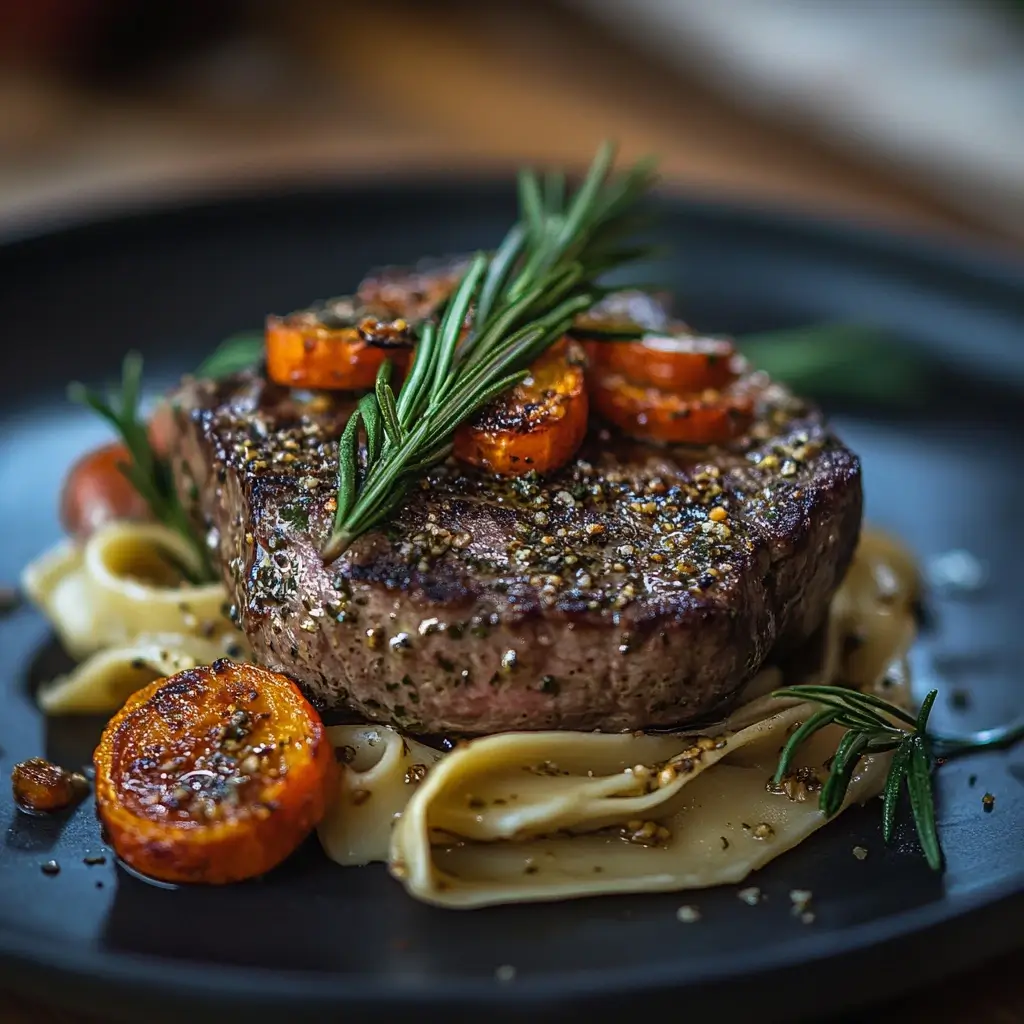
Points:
[[751, 895], [988, 801], [860, 852], [505, 973], [93, 859], [972, 780], [762, 830], [50, 867], [801, 900], [688, 915]]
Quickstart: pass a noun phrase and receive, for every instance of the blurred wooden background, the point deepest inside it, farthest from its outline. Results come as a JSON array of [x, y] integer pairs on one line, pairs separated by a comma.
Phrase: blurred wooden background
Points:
[[320, 88]]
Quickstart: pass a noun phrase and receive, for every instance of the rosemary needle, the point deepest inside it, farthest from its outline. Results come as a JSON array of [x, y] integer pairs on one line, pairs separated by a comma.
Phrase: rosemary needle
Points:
[[524, 297], [148, 473], [873, 726]]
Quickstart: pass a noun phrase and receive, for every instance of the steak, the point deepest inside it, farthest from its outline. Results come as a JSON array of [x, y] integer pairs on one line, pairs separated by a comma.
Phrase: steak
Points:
[[637, 587]]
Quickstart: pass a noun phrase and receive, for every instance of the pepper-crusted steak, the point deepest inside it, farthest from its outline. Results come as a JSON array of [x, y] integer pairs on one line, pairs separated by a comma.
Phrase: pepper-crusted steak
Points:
[[637, 587]]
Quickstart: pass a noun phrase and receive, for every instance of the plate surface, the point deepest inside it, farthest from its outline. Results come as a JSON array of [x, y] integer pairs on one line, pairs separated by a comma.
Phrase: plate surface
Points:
[[312, 937]]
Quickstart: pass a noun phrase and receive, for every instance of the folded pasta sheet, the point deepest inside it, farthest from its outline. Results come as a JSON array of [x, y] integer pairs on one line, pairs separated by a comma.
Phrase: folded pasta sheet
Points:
[[554, 815], [382, 769], [120, 603], [106, 679]]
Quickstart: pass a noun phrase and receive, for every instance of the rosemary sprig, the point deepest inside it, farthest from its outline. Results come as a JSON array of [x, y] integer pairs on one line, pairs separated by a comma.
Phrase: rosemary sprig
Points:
[[148, 473], [524, 297], [875, 726]]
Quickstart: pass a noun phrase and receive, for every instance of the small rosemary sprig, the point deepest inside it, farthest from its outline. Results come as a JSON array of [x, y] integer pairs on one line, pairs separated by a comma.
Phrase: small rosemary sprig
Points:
[[875, 726], [148, 473], [523, 297]]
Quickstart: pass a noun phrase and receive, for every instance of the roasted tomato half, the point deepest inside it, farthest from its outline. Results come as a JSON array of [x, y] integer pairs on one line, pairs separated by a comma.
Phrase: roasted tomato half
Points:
[[335, 346], [213, 775], [96, 492], [649, 413], [535, 427], [684, 364]]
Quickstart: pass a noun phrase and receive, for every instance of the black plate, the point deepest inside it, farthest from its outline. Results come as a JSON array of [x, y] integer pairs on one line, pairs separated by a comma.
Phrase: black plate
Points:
[[313, 937]]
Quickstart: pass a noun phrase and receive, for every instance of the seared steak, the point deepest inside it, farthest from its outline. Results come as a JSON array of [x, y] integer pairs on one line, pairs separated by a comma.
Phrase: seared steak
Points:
[[637, 587]]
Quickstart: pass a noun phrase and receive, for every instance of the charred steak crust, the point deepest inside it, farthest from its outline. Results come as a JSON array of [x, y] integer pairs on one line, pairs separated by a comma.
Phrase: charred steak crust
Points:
[[638, 587]]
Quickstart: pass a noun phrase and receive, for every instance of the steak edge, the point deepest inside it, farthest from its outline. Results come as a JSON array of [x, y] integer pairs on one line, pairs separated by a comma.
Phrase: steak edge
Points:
[[607, 596]]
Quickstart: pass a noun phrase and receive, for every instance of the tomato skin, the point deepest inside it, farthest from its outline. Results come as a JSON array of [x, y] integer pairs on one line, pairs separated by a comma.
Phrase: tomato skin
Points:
[[652, 414], [303, 353], [535, 427], [96, 492], [684, 363], [162, 429]]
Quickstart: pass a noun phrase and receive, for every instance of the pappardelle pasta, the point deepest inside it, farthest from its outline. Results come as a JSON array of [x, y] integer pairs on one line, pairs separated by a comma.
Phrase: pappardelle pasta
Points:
[[121, 606]]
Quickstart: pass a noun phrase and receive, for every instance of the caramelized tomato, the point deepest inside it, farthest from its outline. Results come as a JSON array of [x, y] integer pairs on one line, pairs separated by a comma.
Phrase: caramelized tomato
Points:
[[38, 785], [684, 364], [538, 425], [305, 352], [96, 492], [649, 413], [213, 775]]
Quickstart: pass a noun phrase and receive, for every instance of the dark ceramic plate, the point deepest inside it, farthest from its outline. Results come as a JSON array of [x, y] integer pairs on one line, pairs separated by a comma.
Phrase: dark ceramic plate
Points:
[[311, 937]]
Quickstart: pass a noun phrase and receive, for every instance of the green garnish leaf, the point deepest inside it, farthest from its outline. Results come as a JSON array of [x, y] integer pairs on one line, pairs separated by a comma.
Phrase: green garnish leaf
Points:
[[893, 782], [848, 753], [841, 361], [817, 721], [148, 473], [239, 352], [922, 801]]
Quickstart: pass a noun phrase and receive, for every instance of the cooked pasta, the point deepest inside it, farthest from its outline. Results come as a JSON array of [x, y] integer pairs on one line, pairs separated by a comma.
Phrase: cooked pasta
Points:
[[498, 824], [119, 602], [553, 815], [106, 679], [383, 769]]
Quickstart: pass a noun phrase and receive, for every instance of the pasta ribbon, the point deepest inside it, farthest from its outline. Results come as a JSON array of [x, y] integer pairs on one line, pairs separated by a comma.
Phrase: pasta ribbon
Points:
[[106, 679], [492, 825], [382, 769], [120, 605]]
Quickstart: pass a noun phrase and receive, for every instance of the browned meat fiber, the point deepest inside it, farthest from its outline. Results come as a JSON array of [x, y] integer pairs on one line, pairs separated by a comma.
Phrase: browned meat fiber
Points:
[[613, 595]]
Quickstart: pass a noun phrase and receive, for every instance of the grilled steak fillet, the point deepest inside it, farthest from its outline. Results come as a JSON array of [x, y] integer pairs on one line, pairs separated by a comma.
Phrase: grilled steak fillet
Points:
[[608, 596]]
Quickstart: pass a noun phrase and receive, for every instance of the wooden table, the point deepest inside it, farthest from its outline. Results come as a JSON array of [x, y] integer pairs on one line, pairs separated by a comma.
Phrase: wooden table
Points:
[[458, 84]]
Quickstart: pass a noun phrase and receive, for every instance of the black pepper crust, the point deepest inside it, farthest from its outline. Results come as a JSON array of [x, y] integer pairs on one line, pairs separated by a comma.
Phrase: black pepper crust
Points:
[[611, 595]]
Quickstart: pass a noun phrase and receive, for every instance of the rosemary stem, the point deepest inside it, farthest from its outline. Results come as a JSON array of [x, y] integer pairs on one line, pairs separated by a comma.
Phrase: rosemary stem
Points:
[[524, 295]]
